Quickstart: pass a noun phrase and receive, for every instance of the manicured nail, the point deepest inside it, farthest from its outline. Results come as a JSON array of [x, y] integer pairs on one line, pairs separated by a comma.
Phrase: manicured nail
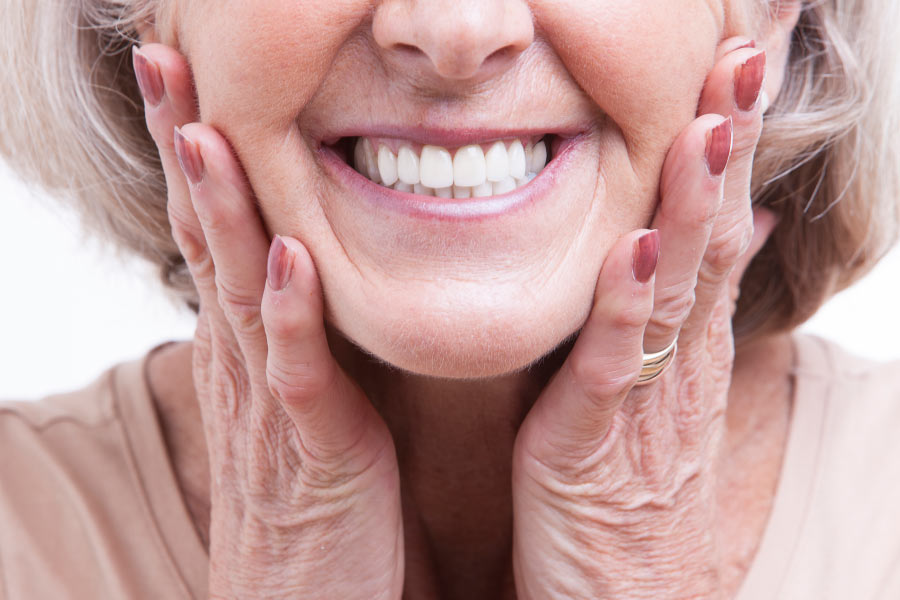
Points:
[[279, 265], [189, 158], [718, 147], [645, 257], [750, 44], [748, 79], [149, 79]]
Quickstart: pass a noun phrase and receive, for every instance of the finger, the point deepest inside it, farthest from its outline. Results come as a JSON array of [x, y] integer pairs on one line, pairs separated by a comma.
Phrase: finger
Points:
[[233, 232], [330, 412], [165, 81], [576, 408], [690, 197], [733, 88]]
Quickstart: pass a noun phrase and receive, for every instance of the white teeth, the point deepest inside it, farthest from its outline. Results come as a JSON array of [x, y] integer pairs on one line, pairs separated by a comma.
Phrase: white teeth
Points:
[[496, 162], [371, 161], [461, 191], [470, 173], [387, 166], [507, 185], [538, 158], [408, 166], [469, 166], [484, 190], [436, 167], [423, 190], [517, 166]]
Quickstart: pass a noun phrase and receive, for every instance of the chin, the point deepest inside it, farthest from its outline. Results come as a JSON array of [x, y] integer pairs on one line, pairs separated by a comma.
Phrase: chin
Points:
[[466, 342]]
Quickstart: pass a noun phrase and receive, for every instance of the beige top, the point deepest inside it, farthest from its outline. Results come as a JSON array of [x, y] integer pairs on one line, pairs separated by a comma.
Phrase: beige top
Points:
[[90, 507]]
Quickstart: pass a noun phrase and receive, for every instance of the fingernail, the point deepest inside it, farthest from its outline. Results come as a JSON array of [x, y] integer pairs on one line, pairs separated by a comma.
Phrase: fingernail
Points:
[[188, 157], [750, 44], [748, 79], [718, 147], [149, 79], [645, 257], [279, 265]]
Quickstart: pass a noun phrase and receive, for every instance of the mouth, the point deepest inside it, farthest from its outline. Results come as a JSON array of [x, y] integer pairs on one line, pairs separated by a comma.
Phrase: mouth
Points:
[[475, 170]]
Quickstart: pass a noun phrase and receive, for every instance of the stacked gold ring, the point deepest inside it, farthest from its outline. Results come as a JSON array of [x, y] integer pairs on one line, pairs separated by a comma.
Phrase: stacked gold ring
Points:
[[655, 364]]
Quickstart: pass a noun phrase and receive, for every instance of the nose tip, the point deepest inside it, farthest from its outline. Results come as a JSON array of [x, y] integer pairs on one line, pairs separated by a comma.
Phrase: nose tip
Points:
[[453, 39]]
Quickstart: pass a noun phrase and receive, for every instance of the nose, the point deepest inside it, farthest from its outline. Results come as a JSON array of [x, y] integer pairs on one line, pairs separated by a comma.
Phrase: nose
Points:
[[453, 39]]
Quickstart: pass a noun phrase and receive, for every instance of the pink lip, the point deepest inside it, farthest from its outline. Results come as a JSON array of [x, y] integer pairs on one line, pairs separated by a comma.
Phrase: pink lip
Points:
[[448, 137], [452, 209]]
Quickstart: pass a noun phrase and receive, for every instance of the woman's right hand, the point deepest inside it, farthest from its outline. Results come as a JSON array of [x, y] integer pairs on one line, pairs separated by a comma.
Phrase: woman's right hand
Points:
[[304, 484]]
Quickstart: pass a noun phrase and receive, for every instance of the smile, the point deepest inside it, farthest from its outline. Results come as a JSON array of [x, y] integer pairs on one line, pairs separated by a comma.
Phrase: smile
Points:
[[471, 171]]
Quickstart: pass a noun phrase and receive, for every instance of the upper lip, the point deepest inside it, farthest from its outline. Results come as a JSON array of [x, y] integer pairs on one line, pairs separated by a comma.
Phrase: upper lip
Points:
[[448, 137]]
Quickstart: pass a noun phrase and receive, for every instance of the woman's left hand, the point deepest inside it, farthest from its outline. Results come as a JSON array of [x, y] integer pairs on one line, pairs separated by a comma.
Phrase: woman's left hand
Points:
[[614, 486]]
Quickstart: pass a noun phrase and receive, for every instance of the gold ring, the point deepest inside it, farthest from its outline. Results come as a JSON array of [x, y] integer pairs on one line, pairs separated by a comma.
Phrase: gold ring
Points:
[[656, 363]]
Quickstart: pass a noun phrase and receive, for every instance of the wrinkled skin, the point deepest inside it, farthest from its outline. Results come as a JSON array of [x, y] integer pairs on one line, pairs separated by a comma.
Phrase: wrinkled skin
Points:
[[613, 487]]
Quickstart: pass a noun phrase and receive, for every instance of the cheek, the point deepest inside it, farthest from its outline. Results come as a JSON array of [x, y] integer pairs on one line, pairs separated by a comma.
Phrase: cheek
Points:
[[257, 63], [642, 61]]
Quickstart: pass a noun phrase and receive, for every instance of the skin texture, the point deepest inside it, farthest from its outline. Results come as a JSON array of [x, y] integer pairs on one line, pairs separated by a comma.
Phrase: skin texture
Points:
[[334, 474]]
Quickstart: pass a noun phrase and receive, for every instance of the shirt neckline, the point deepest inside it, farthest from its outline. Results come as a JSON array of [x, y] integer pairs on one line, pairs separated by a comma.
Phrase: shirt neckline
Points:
[[796, 480], [135, 405]]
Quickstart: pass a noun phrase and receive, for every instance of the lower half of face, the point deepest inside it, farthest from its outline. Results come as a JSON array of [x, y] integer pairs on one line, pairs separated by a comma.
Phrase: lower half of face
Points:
[[458, 229]]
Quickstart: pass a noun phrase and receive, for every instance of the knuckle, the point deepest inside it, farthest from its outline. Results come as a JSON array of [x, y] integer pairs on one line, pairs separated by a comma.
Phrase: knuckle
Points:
[[298, 383], [230, 386], [671, 312], [240, 308], [599, 380], [282, 324]]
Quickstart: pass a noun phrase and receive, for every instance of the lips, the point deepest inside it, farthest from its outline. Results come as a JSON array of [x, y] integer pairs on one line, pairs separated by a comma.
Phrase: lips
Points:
[[517, 169]]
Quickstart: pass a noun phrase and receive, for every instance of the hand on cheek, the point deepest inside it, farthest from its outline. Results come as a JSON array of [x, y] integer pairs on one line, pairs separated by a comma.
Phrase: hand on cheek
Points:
[[300, 460], [616, 481]]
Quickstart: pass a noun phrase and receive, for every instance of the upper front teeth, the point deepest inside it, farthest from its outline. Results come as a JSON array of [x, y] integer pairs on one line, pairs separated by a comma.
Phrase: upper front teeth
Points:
[[471, 172]]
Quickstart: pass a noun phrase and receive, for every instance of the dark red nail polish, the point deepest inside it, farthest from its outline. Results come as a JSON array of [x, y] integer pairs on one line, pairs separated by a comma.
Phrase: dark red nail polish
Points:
[[148, 77], [718, 147], [646, 255], [279, 264], [748, 79], [189, 158]]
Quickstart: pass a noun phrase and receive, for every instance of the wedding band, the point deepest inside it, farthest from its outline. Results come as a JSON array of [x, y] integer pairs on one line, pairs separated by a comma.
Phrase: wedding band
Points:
[[656, 363]]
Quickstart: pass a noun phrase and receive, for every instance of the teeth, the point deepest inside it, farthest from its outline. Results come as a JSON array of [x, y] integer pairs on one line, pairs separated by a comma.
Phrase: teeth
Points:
[[538, 158], [408, 166], [504, 186], [497, 162], [436, 167], [469, 173], [462, 191], [371, 162], [469, 166], [387, 166], [484, 190], [517, 166]]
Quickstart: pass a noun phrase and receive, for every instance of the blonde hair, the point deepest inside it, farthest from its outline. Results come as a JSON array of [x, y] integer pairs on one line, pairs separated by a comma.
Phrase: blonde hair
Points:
[[71, 120]]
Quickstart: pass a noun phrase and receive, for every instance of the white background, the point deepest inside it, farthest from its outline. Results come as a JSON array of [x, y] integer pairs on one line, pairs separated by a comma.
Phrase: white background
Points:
[[69, 310]]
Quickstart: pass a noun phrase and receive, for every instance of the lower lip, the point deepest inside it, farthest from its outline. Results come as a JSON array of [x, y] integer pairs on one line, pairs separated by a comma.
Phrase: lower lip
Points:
[[452, 209]]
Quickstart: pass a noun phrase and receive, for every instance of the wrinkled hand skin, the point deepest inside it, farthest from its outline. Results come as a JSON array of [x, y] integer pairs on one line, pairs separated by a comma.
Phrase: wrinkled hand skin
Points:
[[304, 484], [614, 486]]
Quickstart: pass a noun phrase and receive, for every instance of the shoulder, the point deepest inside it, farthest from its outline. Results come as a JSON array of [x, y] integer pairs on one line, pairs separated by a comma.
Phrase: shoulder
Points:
[[845, 449]]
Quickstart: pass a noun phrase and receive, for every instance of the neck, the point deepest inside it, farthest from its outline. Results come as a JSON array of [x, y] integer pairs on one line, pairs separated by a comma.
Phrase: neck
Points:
[[454, 441]]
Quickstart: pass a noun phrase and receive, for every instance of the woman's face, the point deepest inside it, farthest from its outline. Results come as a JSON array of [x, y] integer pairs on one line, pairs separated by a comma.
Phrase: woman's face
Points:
[[464, 287]]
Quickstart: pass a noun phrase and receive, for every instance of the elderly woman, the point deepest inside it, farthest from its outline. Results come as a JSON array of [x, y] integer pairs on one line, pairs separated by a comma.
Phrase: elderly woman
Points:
[[467, 282]]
